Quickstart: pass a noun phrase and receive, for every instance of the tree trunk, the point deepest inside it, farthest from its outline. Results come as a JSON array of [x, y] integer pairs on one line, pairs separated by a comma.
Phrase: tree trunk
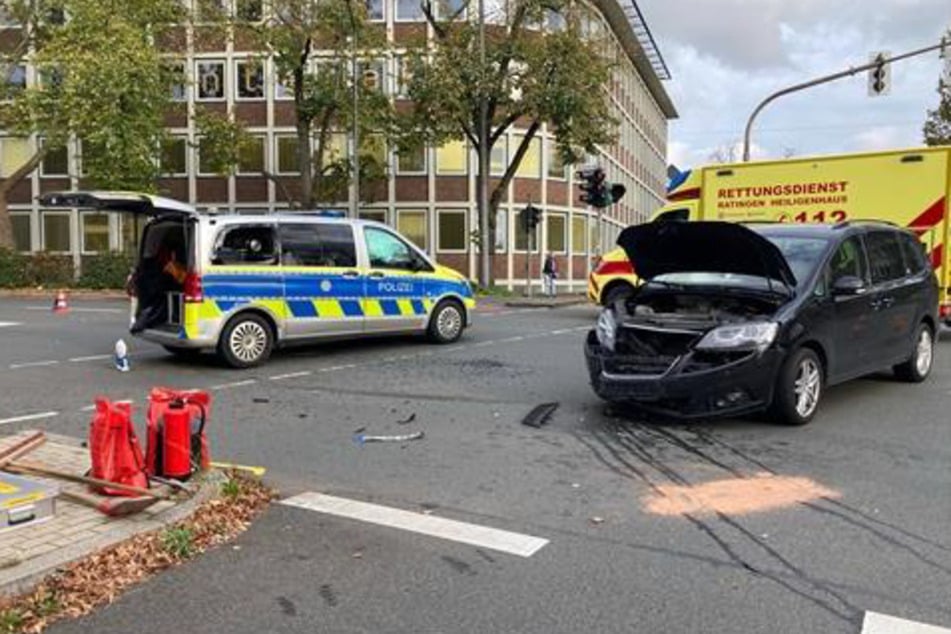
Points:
[[6, 224], [304, 164]]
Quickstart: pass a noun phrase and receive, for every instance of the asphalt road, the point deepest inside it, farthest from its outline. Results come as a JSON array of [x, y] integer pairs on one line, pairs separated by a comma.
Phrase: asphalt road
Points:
[[877, 539]]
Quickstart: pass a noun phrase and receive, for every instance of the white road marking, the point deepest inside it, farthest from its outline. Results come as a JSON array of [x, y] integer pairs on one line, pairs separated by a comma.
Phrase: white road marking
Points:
[[291, 375], [32, 364], [225, 386], [82, 310], [875, 623], [20, 419], [473, 534], [95, 357], [7, 324]]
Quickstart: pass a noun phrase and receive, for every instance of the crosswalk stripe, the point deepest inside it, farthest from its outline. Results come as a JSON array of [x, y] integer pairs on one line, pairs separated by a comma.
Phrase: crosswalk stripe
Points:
[[473, 534], [876, 623]]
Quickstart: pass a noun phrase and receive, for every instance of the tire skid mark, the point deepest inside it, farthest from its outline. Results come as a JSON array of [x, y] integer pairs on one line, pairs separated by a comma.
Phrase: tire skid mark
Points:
[[637, 451]]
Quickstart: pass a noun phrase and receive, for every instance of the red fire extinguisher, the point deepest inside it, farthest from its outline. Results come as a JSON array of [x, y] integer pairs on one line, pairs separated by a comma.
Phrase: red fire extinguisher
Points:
[[180, 445]]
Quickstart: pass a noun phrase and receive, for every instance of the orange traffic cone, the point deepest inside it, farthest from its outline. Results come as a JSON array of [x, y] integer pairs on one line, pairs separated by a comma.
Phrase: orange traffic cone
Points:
[[60, 304]]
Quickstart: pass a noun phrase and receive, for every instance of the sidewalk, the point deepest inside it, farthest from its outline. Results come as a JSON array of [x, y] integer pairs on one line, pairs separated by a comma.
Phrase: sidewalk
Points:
[[30, 552], [542, 301]]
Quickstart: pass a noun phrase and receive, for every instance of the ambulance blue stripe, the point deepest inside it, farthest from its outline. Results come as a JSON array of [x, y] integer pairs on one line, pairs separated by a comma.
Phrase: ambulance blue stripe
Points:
[[302, 308], [351, 308], [390, 307], [418, 307]]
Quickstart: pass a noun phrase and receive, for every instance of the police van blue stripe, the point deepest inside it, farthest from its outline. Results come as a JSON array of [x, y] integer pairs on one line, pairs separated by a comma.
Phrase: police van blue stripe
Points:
[[418, 307], [302, 308], [351, 308], [390, 307]]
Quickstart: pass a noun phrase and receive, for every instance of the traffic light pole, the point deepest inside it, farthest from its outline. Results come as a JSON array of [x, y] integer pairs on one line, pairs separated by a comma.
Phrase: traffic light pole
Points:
[[823, 80]]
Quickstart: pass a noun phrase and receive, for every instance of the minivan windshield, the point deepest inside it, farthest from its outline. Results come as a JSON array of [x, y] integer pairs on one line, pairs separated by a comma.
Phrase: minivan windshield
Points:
[[802, 254]]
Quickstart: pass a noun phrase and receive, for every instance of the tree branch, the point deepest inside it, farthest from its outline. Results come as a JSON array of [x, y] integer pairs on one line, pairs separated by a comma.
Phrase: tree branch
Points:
[[513, 165], [293, 204]]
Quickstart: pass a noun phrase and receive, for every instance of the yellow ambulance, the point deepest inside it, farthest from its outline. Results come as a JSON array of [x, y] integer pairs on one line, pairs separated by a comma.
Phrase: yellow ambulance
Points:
[[910, 188]]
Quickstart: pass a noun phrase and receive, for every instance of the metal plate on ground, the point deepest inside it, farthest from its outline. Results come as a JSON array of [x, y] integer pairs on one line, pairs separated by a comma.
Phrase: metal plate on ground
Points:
[[24, 502]]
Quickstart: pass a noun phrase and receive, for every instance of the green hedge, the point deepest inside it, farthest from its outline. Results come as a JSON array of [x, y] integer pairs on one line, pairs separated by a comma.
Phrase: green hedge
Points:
[[106, 270], [20, 270]]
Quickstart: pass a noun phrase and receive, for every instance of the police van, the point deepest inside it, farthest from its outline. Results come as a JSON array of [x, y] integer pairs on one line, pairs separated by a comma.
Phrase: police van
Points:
[[243, 284]]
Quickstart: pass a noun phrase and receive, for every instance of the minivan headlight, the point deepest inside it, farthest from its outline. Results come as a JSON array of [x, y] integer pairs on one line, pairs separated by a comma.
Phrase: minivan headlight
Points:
[[756, 335], [607, 329]]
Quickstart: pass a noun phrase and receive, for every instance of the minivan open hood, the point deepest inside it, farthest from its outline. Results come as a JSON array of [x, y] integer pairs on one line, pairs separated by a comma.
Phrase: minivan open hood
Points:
[[657, 248], [132, 202]]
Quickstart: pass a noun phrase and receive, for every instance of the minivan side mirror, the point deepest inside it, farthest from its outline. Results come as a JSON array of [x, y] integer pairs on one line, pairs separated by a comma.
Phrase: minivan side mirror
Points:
[[848, 285]]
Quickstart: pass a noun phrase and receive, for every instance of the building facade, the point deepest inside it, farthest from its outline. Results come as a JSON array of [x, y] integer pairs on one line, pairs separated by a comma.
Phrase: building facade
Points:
[[429, 196]]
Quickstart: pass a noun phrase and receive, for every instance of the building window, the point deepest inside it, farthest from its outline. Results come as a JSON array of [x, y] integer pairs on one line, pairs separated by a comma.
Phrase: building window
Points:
[[287, 155], [446, 9], [176, 80], [578, 242], [16, 78], [211, 81], [411, 161], [95, 232], [174, 157], [556, 167], [205, 167], [251, 156], [375, 10], [211, 10], [451, 158], [337, 147], [377, 215], [404, 76], [531, 165], [283, 89], [556, 224], [132, 227], [407, 10], [501, 230], [22, 231], [249, 77], [499, 160], [373, 74], [521, 236], [412, 224], [451, 230], [56, 232], [249, 10], [14, 152], [55, 162]]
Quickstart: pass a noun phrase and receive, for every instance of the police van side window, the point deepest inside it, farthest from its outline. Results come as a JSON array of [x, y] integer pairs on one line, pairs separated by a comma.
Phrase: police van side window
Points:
[[329, 245], [884, 256], [386, 251], [246, 244]]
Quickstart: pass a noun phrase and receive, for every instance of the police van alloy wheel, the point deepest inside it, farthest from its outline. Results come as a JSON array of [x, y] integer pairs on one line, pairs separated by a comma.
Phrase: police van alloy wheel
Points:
[[798, 388], [447, 322], [246, 341], [917, 368]]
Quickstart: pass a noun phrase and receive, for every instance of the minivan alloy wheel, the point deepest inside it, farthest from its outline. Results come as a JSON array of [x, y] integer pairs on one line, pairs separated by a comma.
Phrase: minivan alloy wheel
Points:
[[449, 322], [924, 352], [248, 341], [807, 387]]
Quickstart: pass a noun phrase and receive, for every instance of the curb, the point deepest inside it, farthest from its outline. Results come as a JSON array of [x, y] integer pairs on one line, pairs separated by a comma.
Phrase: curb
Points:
[[38, 568], [529, 303], [74, 293]]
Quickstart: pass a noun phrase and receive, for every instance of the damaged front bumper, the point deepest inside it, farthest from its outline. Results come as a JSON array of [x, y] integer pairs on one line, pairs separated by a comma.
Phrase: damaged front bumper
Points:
[[694, 385]]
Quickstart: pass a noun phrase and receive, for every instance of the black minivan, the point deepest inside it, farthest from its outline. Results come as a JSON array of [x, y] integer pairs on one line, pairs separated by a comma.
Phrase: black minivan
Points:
[[735, 318]]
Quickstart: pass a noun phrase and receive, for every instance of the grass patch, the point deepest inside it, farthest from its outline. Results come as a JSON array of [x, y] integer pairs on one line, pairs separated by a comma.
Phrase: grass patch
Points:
[[179, 542]]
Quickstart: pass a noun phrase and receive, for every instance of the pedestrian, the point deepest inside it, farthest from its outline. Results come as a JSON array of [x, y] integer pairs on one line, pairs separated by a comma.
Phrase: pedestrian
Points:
[[550, 274]]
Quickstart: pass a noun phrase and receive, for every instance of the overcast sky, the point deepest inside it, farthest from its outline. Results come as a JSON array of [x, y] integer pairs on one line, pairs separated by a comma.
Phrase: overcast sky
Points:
[[727, 55]]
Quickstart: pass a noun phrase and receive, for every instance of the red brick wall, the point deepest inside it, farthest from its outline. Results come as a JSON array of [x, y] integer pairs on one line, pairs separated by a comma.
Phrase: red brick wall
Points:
[[209, 39], [177, 116], [457, 261], [22, 192], [412, 188], [452, 188], [212, 190], [253, 113], [176, 188], [558, 193], [284, 113], [250, 189], [53, 184], [528, 190], [407, 33]]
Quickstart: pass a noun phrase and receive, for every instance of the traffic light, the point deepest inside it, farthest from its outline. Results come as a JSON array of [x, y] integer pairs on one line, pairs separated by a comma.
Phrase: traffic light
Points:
[[596, 191], [879, 76], [593, 191], [531, 217]]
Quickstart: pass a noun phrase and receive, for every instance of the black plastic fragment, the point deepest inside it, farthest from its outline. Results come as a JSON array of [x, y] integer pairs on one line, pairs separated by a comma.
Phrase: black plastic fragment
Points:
[[539, 415]]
